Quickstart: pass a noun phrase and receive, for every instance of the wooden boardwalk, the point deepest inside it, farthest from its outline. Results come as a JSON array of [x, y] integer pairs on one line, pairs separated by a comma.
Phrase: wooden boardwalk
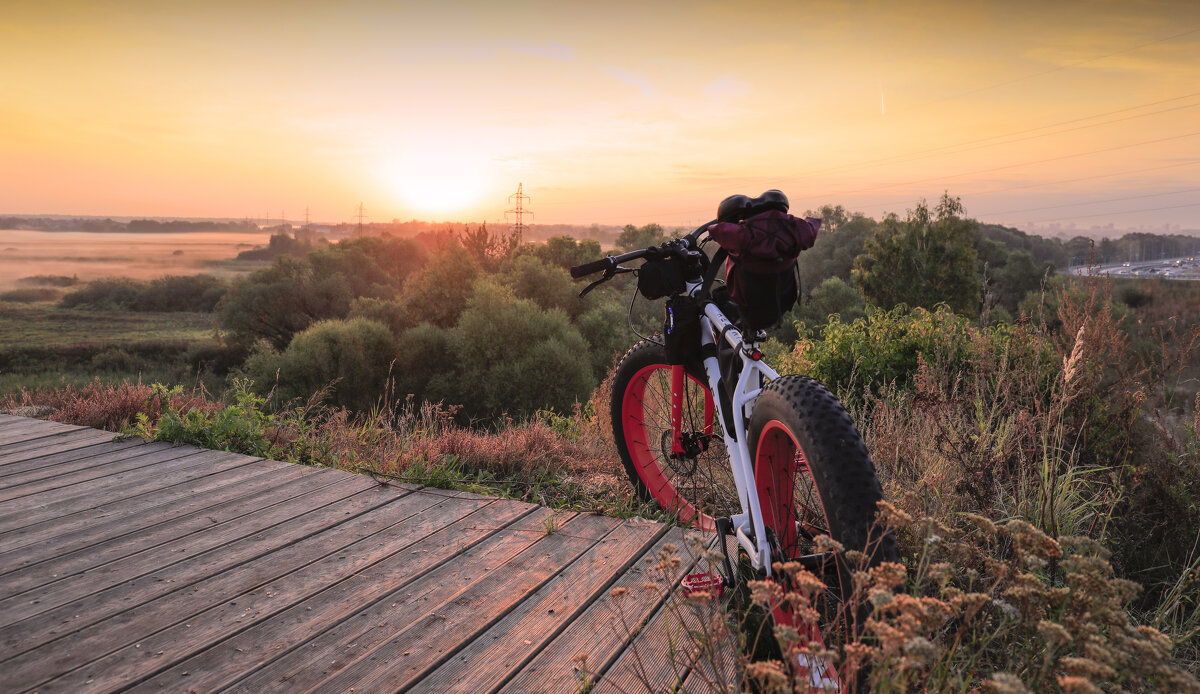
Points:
[[132, 566]]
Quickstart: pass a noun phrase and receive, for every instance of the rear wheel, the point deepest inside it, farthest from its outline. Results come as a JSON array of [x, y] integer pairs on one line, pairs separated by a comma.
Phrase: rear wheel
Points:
[[695, 485], [814, 477]]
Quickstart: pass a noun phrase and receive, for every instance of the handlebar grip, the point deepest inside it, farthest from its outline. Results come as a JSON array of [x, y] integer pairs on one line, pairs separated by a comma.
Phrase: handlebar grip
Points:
[[594, 266]]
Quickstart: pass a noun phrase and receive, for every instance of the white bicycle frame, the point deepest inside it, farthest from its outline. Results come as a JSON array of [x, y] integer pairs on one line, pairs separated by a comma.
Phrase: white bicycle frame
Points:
[[753, 372]]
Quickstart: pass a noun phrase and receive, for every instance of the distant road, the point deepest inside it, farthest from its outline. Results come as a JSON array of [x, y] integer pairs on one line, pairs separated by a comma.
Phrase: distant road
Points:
[[1185, 268]]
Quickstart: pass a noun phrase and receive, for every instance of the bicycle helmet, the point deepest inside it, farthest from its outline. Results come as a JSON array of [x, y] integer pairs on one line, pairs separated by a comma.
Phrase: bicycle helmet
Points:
[[770, 200], [734, 208]]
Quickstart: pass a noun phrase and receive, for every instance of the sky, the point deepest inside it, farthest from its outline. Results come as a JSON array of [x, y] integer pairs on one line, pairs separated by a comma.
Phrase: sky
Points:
[[1034, 113]]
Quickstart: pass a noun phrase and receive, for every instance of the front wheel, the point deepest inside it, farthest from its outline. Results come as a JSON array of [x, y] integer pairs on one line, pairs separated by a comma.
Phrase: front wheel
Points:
[[695, 484], [814, 477]]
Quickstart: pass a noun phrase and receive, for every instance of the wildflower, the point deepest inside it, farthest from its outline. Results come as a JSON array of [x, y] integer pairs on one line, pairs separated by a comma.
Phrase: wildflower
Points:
[[1005, 683], [1077, 685], [1006, 609], [981, 522], [764, 592], [769, 674], [891, 517], [969, 604], [880, 597], [1088, 668], [825, 543], [1053, 633], [618, 592], [921, 650], [888, 575]]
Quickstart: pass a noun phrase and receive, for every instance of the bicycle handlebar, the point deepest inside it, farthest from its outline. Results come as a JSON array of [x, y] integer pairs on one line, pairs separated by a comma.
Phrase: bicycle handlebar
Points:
[[612, 261]]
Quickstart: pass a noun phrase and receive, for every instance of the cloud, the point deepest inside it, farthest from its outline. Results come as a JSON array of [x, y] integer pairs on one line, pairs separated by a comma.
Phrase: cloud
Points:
[[552, 50], [643, 84], [727, 87]]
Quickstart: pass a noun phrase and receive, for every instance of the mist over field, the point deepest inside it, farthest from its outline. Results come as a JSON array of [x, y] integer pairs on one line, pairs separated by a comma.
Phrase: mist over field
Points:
[[140, 256]]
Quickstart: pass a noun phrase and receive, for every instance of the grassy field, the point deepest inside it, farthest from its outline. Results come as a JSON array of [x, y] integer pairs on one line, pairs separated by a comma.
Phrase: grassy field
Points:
[[42, 345], [44, 325]]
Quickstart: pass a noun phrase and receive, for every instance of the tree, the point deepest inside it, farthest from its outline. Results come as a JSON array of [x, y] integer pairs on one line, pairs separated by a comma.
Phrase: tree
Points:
[[566, 252], [632, 238], [351, 358], [277, 302], [545, 284], [509, 356], [926, 259], [437, 293]]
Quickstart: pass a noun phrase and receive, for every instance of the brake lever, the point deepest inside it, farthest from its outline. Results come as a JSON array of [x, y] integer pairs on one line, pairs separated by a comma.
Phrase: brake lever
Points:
[[608, 275]]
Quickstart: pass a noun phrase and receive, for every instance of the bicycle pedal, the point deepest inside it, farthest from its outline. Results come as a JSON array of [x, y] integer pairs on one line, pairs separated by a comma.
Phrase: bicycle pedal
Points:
[[706, 581]]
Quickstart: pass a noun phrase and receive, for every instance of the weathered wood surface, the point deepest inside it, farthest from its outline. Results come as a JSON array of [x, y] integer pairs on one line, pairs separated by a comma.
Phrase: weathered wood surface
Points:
[[127, 566]]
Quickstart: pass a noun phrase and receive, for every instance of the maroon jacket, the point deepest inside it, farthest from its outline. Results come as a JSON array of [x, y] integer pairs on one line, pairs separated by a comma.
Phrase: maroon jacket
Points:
[[767, 242]]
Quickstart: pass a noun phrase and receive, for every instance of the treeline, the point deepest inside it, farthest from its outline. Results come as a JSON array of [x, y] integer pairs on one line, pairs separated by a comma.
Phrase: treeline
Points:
[[136, 226]]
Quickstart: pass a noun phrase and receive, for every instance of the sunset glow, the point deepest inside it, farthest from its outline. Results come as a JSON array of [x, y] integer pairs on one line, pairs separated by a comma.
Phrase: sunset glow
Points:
[[1042, 113]]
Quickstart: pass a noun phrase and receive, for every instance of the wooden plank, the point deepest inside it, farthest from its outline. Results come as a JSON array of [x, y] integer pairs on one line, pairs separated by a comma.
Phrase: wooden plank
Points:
[[51, 561], [514, 640], [668, 651], [410, 517], [600, 633], [7, 419], [371, 622], [33, 452], [32, 430], [133, 626], [66, 452], [60, 477], [83, 599], [184, 464], [84, 524], [400, 661], [473, 538]]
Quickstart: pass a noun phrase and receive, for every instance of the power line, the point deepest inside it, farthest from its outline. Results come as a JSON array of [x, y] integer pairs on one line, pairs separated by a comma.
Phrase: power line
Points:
[[1109, 214], [978, 144], [1091, 202], [1014, 166], [1038, 184]]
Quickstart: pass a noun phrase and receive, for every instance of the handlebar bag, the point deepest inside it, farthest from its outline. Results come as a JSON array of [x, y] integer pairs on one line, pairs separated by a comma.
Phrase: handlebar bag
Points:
[[761, 272], [659, 278]]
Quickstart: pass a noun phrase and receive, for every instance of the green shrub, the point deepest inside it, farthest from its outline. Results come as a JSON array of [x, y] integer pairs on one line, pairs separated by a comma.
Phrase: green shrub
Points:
[[510, 356], [108, 293], [388, 312], [352, 359], [886, 347], [242, 427], [194, 293], [116, 359], [277, 302], [29, 295]]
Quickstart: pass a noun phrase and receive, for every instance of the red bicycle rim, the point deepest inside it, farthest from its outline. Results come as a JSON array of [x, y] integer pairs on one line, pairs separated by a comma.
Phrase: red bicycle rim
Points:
[[634, 411]]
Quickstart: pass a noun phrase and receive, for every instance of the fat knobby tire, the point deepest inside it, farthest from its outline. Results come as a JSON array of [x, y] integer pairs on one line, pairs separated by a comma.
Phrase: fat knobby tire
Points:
[[842, 471]]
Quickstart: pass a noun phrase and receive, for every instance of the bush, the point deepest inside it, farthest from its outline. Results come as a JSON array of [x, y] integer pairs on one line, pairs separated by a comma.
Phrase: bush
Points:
[[351, 359], [886, 347], [29, 295], [510, 356], [109, 293], [194, 293], [61, 281], [437, 293], [277, 302]]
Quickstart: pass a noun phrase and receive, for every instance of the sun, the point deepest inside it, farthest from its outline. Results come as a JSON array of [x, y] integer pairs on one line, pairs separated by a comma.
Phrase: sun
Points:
[[439, 184]]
